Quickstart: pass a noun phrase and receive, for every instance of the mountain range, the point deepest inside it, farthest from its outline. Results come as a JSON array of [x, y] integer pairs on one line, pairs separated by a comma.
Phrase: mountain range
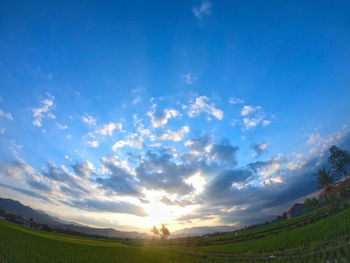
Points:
[[17, 208]]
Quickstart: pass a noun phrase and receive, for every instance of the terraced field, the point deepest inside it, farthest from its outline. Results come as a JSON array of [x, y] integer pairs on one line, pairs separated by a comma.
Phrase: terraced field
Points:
[[20, 244], [319, 236]]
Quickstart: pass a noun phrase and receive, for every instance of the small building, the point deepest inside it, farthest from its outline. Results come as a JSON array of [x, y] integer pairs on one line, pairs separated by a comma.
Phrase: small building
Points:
[[296, 210]]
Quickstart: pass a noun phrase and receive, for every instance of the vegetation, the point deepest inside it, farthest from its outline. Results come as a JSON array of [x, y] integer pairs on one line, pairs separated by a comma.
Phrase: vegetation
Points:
[[320, 234], [339, 160], [163, 232], [24, 245]]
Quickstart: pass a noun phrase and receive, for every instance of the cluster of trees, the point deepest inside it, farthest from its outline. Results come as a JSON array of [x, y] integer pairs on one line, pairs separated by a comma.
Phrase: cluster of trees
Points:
[[329, 177], [163, 232], [20, 220], [332, 179]]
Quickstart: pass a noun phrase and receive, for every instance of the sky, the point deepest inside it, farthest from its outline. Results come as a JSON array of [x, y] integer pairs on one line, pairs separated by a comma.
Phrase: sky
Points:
[[129, 114]]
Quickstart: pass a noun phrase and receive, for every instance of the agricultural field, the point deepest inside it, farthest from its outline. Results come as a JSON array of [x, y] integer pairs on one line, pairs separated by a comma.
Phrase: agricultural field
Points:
[[20, 244], [318, 236]]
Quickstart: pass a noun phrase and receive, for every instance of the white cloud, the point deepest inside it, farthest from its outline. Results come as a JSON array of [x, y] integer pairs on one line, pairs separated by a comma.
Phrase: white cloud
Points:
[[315, 138], [189, 78], [89, 120], [61, 127], [160, 118], [249, 109], [201, 105], [67, 158], [271, 168], [203, 9], [253, 116], [321, 144], [94, 144], [266, 123], [69, 136], [296, 165], [263, 146], [137, 100], [132, 140], [234, 100], [2, 130], [44, 111], [108, 129], [175, 136], [272, 180], [6, 115], [260, 148]]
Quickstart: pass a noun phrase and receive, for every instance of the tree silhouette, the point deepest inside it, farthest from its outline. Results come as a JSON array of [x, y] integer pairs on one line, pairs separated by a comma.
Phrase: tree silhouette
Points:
[[339, 160], [165, 232], [155, 232], [326, 182]]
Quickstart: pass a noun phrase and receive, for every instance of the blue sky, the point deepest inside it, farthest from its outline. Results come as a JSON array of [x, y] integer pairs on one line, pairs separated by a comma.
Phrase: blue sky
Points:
[[121, 108]]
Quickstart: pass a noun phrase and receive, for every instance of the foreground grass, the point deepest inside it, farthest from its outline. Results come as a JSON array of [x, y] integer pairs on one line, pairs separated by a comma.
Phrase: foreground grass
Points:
[[296, 240], [319, 236], [20, 244]]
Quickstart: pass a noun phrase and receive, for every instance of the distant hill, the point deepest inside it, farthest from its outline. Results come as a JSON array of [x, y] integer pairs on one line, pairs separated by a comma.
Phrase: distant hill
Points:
[[15, 207], [200, 231]]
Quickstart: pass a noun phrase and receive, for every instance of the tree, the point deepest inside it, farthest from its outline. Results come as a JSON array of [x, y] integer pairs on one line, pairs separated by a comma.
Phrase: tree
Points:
[[155, 231], [165, 232], [310, 204], [339, 160], [326, 182]]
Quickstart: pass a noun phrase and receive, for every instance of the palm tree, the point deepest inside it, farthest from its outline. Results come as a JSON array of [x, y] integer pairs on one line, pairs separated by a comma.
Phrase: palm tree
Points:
[[326, 182], [155, 231], [165, 232]]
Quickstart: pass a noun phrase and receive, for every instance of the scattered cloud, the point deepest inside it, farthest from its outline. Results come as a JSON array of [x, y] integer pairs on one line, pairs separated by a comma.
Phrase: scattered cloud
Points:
[[109, 206], [234, 100], [117, 179], [253, 116], [249, 109], [89, 120], [136, 100], [84, 169], [61, 127], [200, 105], [181, 203], [202, 10], [259, 148], [222, 153], [5, 115], [44, 111], [314, 138], [94, 144], [175, 136], [107, 129], [133, 141], [266, 123], [188, 78], [160, 118]]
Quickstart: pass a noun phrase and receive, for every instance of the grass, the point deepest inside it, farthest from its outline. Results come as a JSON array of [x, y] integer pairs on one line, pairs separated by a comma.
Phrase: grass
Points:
[[317, 236], [20, 244]]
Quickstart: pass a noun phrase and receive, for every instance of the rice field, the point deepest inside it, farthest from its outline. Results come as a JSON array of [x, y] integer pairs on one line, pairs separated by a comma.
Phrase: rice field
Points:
[[319, 236]]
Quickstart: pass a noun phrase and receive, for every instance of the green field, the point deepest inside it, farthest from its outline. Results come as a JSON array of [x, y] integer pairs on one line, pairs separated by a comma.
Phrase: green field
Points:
[[318, 236]]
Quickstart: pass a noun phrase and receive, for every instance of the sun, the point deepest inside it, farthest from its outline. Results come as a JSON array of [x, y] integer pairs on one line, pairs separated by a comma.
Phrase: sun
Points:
[[159, 213]]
